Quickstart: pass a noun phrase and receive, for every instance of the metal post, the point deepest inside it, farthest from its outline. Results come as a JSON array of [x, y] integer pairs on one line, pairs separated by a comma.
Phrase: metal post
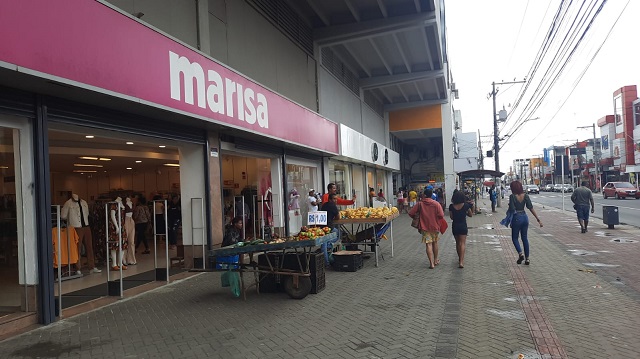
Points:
[[562, 171], [595, 160], [496, 141]]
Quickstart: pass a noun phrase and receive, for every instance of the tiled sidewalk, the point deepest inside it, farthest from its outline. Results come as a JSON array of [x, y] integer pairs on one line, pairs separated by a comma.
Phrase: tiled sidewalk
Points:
[[492, 308]]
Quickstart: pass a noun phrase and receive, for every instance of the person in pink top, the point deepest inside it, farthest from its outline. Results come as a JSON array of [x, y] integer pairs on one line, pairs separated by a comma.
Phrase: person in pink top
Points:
[[431, 214]]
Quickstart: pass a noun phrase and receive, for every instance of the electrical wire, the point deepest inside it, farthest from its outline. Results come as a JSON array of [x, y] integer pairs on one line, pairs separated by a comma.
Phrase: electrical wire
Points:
[[575, 34]]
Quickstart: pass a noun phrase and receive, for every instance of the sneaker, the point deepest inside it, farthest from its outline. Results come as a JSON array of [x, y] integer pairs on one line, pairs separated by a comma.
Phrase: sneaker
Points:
[[96, 270]]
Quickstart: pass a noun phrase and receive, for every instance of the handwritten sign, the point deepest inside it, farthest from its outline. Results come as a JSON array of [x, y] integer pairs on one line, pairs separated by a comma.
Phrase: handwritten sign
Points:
[[317, 218]]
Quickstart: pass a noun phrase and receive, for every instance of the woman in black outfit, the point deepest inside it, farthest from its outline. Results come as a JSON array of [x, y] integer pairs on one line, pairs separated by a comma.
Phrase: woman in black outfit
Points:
[[459, 210]]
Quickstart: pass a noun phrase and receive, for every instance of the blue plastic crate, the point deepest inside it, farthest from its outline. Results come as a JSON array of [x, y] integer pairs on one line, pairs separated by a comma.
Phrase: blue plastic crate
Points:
[[227, 262]]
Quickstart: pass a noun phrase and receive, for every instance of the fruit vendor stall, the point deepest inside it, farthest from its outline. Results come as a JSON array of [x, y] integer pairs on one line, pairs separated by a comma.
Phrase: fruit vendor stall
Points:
[[366, 226], [296, 279]]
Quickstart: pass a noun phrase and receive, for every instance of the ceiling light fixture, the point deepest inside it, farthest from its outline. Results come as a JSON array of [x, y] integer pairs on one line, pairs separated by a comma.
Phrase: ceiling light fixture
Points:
[[129, 143], [172, 165], [86, 165], [88, 158], [84, 171], [138, 161], [162, 146], [4, 167], [129, 168], [104, 159], [89, 136]]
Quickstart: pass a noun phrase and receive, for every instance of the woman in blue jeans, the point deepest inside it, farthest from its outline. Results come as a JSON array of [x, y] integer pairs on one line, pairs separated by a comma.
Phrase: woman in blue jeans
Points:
[[518, 200]]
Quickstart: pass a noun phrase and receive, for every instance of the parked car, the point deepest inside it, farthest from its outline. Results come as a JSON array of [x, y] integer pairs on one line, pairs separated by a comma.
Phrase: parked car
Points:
[[558, 187], [548, 188], [620, 190], [531, 188]]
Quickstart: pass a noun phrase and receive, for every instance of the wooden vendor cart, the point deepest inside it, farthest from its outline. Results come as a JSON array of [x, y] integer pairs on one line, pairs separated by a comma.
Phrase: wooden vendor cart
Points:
[[296, 281], [367, 231]]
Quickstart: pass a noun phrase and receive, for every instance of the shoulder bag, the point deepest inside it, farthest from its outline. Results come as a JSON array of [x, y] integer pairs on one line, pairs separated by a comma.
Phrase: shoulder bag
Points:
[[415, 223]]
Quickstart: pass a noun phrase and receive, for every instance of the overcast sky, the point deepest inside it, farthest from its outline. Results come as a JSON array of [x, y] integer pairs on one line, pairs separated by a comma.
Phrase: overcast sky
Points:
[[494, 40]]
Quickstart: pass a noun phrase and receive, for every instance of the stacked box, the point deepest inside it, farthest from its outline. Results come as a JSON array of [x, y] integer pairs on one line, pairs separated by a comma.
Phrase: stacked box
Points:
[[347, 261], [269, 283], [316, 270]]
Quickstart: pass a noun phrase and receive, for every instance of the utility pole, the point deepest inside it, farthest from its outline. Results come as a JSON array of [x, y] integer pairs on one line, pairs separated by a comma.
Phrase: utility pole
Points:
[[496, 134]]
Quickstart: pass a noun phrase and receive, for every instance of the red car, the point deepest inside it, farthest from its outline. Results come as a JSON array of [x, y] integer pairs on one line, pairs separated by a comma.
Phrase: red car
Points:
[[620, 190]]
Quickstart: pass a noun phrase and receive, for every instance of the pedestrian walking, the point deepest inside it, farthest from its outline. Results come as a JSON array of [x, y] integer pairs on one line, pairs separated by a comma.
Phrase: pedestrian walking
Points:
[[413, 197], [582, 198], [459, 210], [429, 224], [493, 196], [519, 220], [400, 200]]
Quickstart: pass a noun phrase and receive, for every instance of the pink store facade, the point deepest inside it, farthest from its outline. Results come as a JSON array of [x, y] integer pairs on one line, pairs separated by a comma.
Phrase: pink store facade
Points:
[[166, 119]]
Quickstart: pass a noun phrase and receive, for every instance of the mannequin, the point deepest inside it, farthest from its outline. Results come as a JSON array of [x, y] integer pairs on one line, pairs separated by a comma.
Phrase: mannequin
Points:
[[130, 228], [76, 212], [114, 230], [294, 199]]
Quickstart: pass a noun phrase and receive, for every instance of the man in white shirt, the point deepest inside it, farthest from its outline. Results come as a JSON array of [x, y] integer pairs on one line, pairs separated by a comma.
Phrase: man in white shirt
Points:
[[312, 201]]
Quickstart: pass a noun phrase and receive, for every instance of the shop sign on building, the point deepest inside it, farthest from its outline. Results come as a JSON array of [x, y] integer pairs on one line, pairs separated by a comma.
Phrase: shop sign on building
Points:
[[108, 52]]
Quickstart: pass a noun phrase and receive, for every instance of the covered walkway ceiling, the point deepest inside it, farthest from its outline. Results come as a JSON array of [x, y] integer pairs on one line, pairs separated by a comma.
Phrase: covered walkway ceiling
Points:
[[396, 48]]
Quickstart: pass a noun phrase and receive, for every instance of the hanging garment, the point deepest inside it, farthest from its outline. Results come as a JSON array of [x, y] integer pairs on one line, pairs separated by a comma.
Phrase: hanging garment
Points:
[[67, 245]]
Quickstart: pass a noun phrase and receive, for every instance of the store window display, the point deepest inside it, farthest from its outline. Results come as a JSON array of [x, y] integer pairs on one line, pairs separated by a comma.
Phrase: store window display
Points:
[[117, 234], [76, 212], [130, 229]]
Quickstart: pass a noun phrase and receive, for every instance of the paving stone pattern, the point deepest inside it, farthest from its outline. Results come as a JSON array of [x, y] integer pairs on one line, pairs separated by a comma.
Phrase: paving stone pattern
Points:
[[492, 308]]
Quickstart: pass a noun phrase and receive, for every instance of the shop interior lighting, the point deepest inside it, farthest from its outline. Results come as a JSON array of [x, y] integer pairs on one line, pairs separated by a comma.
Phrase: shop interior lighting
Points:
[[129, 143], [138, 161], [104, 159], [89, 136], [88, 158], [84, 171], [86, 165], [162, 146], [172, 165]]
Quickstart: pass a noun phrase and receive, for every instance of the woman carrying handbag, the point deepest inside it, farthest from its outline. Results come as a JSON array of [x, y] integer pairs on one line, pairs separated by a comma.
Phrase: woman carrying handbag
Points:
[[429, 218]]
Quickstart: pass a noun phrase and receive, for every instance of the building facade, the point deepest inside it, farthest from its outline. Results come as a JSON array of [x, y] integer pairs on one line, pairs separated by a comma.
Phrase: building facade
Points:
[[215, 103]]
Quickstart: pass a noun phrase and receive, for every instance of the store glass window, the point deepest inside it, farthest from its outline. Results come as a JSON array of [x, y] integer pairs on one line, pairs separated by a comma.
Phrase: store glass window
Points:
[[301, 178], [340, 174], [381, 184]]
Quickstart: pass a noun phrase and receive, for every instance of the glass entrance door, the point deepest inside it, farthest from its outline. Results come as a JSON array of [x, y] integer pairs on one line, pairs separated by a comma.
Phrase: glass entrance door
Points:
[[14, 291]]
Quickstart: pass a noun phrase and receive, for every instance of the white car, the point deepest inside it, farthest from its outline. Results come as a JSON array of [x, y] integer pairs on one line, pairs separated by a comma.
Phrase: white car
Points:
[[532, 188]]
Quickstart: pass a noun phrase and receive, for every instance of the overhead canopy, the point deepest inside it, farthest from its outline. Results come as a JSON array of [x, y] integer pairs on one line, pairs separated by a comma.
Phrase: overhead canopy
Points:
[[480, 173]]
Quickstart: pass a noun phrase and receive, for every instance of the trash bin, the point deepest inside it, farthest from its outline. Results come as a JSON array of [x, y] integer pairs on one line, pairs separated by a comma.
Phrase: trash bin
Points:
[[610, 215]]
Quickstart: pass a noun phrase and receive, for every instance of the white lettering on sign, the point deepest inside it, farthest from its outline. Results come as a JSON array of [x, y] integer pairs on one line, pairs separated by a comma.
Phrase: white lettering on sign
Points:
[[219, 95], [317, 218]]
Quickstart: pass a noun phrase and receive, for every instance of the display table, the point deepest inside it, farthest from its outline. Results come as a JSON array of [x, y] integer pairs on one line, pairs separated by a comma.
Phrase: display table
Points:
[[365, 232], [297, 282]]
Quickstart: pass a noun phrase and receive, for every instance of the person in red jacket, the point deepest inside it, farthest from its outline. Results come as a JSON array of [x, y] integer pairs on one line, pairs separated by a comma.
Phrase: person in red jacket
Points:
[[331, 188], [431, 215]]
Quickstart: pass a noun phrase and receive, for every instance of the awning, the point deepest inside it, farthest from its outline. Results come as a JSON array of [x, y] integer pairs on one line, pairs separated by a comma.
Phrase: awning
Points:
[[480, 173]]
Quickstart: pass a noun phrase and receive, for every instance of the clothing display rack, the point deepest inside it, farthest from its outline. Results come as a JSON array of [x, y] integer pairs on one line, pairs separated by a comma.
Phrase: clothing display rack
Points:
[[65, 247]]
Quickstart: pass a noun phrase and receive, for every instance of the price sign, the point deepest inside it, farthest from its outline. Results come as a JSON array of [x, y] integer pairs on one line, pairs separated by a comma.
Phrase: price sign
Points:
[[317, 218]]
